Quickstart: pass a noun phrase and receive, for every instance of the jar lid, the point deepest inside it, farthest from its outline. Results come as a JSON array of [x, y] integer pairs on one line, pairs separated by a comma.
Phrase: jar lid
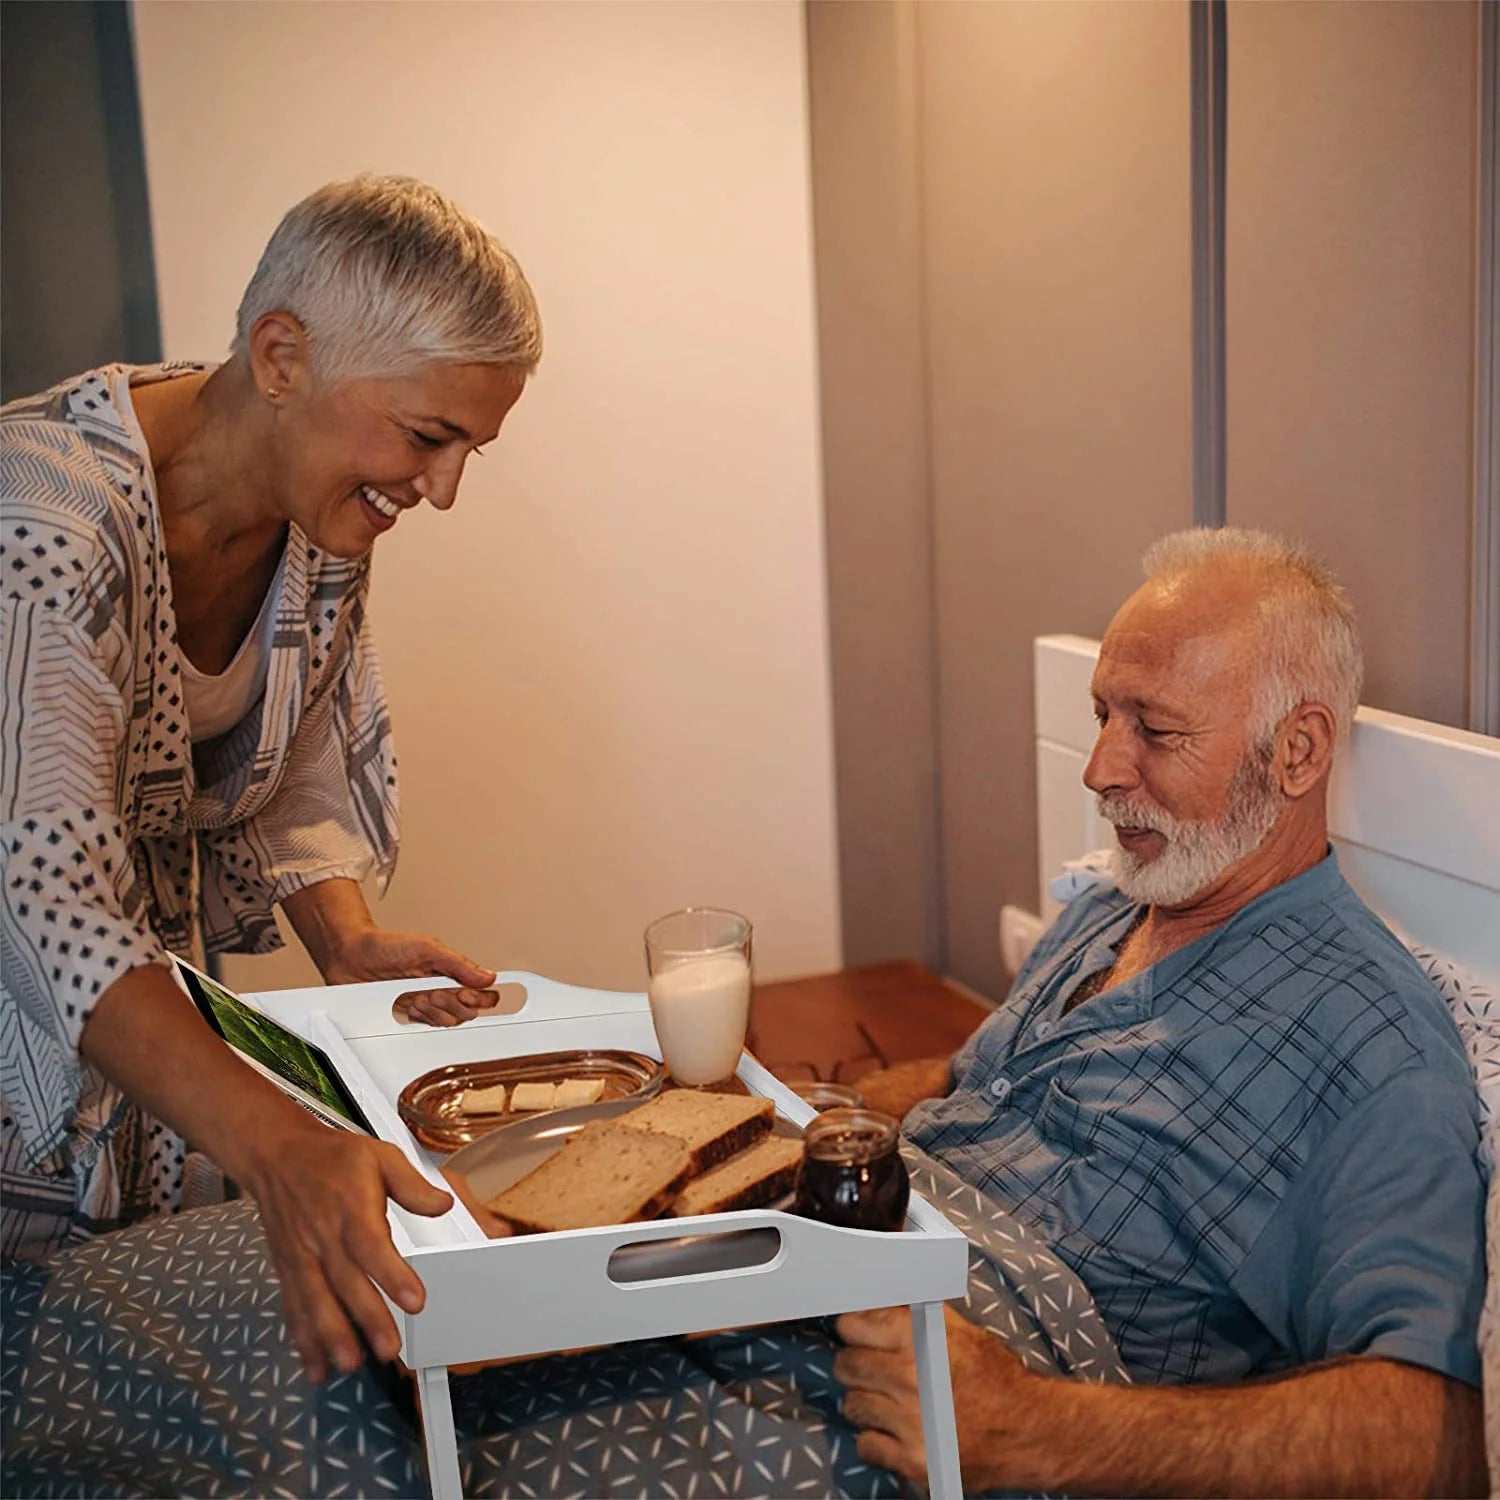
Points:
[[855, 1136]]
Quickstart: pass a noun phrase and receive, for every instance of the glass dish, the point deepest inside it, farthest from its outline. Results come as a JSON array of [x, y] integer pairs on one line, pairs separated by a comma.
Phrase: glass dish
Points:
[[431, 1105]]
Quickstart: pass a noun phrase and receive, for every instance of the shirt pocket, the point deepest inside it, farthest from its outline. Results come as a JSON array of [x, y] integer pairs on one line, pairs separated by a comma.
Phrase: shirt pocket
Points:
[[1097, 1131]]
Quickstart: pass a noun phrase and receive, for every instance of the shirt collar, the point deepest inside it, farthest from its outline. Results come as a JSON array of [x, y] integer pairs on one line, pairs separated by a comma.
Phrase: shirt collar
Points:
[[1133, 1000]]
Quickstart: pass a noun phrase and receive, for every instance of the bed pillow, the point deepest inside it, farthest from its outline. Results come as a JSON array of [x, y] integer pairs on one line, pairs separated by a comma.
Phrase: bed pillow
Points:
[[1475, 1009]]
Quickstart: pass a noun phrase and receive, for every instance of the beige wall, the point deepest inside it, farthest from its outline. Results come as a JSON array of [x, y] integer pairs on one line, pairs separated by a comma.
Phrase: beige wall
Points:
[[608, 665], [862, 70], [1052, 201], [1350, 308], [1055, 182]]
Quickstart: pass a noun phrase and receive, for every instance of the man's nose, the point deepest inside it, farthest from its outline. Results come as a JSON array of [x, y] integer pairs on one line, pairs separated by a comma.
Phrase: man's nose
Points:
[[1112, 766]]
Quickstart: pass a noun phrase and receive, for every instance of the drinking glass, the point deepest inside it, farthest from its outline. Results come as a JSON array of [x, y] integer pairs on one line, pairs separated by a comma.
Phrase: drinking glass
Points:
[[698, 960]]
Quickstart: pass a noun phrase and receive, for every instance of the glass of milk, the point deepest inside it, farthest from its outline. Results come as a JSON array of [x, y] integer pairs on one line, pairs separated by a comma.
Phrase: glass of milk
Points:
[[699, 963]]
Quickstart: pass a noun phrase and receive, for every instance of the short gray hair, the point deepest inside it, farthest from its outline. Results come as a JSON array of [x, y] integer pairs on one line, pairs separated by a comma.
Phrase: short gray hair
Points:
[[1310, 650], [386, 274]]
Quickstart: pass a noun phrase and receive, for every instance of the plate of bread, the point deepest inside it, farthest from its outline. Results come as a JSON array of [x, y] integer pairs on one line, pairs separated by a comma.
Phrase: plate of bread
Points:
[[680, 1153]]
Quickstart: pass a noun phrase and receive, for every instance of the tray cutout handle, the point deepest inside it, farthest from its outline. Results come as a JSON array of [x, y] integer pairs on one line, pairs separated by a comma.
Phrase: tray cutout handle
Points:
[[639, 1261], [511, 993]]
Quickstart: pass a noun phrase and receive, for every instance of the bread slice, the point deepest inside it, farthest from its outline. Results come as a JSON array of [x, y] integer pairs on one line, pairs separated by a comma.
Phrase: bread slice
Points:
[[761, 1175], [714, 1126], [606, 1174]]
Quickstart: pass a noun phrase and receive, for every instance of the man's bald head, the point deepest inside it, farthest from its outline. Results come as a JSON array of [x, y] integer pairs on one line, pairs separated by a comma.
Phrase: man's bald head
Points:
[[1275, 612]]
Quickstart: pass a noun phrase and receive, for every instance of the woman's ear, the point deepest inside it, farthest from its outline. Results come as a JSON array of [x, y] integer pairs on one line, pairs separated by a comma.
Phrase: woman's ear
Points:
[[279, 355], [1305, 748]]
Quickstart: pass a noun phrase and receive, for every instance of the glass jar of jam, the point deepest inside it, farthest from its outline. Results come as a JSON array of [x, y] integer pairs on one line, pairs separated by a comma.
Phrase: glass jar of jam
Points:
[[852, 1173]]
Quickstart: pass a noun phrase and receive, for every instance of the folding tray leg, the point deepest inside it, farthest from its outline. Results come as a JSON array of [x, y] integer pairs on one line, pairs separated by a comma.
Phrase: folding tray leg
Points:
[[442, 1440], [935, 1387]]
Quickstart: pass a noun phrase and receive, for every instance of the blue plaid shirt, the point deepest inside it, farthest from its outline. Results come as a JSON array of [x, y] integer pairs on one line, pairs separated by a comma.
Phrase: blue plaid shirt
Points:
[[1259, 1153]]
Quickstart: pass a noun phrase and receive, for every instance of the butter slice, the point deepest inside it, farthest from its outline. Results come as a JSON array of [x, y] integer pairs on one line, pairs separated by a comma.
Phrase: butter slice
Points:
[[489, 1101], [533, 1096], [575, 1091]]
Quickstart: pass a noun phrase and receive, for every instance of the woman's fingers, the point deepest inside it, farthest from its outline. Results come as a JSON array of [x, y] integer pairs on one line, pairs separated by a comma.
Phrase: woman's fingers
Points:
[[444, 1007], [444, 960], [299, 1326], [420, 1007], [323, 1205], [411, 1190], [318, 1327], [377, 953], [334, 1332], [361, 1302]]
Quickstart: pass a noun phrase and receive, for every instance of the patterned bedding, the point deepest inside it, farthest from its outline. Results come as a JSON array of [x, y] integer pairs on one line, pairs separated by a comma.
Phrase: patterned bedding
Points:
[[153, 1362]]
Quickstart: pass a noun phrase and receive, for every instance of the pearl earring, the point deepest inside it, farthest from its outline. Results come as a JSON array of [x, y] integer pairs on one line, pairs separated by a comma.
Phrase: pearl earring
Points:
[[272, 393]]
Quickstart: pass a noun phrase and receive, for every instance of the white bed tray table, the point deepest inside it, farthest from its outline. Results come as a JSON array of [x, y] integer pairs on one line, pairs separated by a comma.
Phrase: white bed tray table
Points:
[[535, 1294]]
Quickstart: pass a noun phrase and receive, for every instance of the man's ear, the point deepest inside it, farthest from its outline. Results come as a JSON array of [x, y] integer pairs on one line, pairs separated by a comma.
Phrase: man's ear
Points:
[[280, 357], [1304, 748]]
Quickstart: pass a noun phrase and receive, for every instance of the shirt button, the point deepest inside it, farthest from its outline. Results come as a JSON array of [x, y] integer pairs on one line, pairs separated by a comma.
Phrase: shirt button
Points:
[[1000, 1090], [1043, 1030]]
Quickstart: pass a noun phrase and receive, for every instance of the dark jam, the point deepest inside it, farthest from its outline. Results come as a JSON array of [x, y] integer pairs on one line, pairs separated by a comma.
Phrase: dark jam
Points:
[[852, 1173]]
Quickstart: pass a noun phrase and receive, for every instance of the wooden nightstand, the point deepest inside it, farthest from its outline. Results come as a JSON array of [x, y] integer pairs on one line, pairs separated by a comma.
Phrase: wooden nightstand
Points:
[[839, 1026]]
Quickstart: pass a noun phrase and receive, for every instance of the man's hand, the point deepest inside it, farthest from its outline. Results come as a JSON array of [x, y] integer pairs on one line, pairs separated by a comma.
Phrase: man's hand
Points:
[[322, 1197], [899, 1088], [995, 1400], [1359, 1426]]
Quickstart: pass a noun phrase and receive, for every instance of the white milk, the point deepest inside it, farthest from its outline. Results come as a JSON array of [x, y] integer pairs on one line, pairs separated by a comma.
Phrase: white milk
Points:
[[700, 1009]]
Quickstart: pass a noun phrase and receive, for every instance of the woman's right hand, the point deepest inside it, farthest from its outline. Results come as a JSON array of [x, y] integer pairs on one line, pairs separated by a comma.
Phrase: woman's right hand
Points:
[[322, 1195], [322, 1192]]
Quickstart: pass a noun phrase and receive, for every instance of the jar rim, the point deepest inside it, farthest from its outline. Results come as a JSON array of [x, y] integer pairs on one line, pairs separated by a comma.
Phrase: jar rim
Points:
[[879, 1131]]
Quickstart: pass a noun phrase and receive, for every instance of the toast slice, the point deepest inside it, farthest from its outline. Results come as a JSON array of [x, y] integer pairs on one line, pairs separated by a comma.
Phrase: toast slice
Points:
[[761, 1175], [714, 1126], [606, 1174]]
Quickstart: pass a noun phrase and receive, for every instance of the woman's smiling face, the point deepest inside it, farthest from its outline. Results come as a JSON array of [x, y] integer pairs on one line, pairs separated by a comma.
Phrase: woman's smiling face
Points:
[[353, 454]]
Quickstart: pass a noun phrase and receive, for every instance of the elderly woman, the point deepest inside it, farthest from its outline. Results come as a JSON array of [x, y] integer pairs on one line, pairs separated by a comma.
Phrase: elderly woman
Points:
[[195, 729]]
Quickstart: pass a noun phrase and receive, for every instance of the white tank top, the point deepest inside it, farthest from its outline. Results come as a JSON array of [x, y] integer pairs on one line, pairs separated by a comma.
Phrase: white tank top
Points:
[[216, 704]]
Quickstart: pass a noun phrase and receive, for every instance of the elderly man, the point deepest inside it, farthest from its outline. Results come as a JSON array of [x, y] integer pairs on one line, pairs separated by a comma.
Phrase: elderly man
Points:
[[1225, 1095]]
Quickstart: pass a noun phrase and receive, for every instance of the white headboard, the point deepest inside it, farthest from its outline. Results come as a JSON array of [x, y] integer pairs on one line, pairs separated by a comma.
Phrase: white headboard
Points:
[[1414, 811]]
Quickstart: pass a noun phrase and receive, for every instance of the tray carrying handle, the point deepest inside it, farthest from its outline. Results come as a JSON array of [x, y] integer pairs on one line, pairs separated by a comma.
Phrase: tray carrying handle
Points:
[[540, 1293]]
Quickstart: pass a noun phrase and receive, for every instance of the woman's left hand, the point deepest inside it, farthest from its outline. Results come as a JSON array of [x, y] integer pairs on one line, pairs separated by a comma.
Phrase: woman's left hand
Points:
[[376, 953]]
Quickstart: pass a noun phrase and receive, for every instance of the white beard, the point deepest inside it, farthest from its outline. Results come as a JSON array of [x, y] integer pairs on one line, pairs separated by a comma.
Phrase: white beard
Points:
[[1197, 852]]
